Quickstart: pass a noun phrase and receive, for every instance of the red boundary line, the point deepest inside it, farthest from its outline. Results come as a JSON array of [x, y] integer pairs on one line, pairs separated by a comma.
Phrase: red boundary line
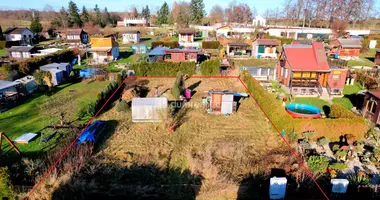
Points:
[[97, 113]]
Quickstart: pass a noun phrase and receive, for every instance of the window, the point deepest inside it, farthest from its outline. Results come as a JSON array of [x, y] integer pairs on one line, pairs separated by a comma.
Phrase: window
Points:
[[286, 73], [305, 74], [25, 54], [282, 71], [16, 54], [187, 57], [371, 106], [168, 56], [30, 36], [336, 76]]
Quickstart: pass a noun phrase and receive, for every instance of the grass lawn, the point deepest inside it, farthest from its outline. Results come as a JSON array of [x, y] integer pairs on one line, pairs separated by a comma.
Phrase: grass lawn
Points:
[[256, 62], [315, 101], [43, 109], [222, 149], [3, 52], [367, 59], [344, 101], [352, 89], [348, 91]]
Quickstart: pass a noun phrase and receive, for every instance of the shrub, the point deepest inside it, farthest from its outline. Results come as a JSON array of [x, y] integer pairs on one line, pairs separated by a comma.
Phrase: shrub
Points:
[[335, 147], [338, 111], [210, 67], [163, 68], [6, 187], [292, 137], [318, 163], [28, 66], [73, 77], [365, 45], [339, 166], [178, 86], [210, 44], [323, 141], [308, 135], [359, 180], [122, 106], [91, 109], [173, 44], [2, 44], [330, 128]]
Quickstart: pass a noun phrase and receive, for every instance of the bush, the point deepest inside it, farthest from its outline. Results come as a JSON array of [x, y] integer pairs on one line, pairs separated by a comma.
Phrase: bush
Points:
[[339, 166], [210, 44], [178, 86], [365, 45], [210, 67], [73, 77], [330, 128], [122, 106], [28, 66], [292, 137], [335, 147], [338, 111], [6, 187], [323, 141], [2, 44], [318, 163], [163, 68], [91, 109], [173, 44], [308, 135]]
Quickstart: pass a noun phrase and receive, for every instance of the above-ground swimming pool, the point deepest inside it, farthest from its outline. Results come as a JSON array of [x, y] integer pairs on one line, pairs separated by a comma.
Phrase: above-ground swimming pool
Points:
[[303, 111]]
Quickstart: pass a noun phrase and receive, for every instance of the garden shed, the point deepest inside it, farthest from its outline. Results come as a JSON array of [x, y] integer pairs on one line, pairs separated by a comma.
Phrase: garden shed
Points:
[[139, 48], [149, 109], [65, 67], [29, 84], [221, 102], [56, 76]]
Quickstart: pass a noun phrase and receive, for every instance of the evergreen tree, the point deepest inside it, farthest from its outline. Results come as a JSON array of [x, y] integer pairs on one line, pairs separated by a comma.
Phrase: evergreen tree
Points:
[[146, 12], [74, 17], [163, 14], [1, 34], [98, 15], [36, 25], [106, 18], [114, 19], [197, 8], [85, 16], [135, 12], [64, 17]]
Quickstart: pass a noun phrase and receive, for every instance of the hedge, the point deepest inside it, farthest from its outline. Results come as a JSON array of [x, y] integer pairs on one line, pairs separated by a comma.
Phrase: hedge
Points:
[[210, 44], [338, 111], [210, 67], [173, 44], [163, 68], [28, 66], [330, 128], [2, 44]]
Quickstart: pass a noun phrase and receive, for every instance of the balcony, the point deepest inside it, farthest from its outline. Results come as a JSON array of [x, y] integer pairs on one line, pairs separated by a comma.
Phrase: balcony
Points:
[[306, 87]]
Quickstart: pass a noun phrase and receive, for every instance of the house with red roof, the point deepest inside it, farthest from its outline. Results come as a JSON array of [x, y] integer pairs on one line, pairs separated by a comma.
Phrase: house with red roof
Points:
[[304, 70], [371, 106]]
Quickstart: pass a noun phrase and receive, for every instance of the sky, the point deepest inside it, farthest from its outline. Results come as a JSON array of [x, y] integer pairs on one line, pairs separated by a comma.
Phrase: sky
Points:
[[124, 5]]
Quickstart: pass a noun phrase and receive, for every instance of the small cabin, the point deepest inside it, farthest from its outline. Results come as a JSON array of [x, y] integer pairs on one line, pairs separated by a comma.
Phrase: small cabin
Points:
[[221, 102], [131, 36], [21, 52]]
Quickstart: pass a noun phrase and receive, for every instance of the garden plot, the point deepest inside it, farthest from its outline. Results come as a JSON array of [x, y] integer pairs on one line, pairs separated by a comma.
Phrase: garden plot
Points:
[[223, 149]]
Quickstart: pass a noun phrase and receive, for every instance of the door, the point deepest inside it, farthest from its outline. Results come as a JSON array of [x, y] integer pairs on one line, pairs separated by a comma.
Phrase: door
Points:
[[216, 102], [322, 79], [227, 103]]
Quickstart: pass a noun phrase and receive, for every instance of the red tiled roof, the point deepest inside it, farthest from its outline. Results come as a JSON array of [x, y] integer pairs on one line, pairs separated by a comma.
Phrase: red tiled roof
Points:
[[307, 57], [375, 93]]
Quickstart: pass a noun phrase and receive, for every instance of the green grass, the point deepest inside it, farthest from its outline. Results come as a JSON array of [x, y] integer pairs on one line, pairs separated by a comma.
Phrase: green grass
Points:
[[315, 101], [352, 89], [347, 91], [256, 62], [367, 59], [3, 52], [43, 109], [345, 102]]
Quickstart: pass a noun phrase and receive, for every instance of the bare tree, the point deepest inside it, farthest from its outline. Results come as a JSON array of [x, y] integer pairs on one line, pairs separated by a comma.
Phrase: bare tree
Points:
[[217, 14]]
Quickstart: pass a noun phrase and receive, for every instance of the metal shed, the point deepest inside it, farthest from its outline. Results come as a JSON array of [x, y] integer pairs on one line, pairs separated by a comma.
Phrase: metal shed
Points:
[[149, 109], [221, 102], [29, 83]]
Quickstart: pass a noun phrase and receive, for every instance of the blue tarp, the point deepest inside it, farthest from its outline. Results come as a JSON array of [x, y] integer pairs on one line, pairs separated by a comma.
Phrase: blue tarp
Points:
[[91, 132], [87, 73]]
